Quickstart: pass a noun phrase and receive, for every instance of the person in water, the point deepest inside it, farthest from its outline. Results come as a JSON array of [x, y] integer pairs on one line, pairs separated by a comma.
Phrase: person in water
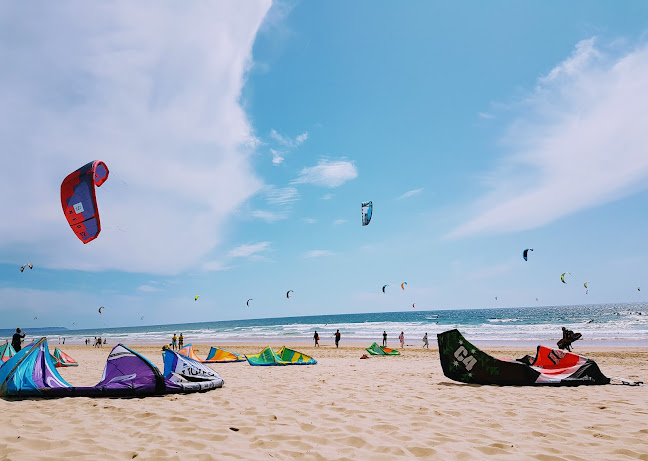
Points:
[[316, 339], [384, 338], [337, 338], [16, 340], [425, 341]]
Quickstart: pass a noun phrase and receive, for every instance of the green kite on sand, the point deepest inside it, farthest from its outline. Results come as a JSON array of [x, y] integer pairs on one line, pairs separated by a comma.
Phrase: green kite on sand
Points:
[[285, 356], [375, 349]]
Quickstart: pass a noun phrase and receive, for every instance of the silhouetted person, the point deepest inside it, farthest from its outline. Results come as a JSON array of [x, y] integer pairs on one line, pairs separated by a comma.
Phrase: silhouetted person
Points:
[[337, 338], [384, 338], [316, 339], [16, 340]]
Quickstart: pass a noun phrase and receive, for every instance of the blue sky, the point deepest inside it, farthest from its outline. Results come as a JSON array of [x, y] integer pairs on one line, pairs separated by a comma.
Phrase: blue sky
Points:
[[242, 138]]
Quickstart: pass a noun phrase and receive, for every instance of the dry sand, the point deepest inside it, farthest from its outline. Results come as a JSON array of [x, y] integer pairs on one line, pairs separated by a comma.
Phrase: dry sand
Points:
[[384, 408]]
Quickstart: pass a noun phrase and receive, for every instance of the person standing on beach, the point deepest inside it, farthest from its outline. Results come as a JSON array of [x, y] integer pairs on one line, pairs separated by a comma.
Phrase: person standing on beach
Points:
[[16, 340], [180, 341], [402, 339], [316, 339], [337, 338], [384, 338], [425, 341], [174, 342]]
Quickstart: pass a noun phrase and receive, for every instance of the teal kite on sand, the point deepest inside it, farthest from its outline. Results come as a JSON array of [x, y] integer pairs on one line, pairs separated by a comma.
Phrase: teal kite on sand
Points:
[[375, 349]]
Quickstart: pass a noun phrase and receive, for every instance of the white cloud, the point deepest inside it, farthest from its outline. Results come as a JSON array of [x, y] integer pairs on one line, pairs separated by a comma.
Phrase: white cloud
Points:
[[339, 221], [215, 266], [269, 216], [410, 193], [282, 196], [317, 253], [153, 90], [327, 196], [277, 156], [287, 141], [148, 288], [485, 115], [328, 173], [581, 143], [245, 251], [310, 220]]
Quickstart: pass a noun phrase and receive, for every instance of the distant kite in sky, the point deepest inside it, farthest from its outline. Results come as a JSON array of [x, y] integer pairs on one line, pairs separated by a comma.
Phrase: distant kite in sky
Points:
[[35, 318], [30, 265], [638, 288], [248, 302], [586, 286], [196, 298], [288, 293], [79, 202], [413, 305], [495, 298], [403, 285], [384, 286], [367, 210], [562, 277], [525, 253], [100, 309]]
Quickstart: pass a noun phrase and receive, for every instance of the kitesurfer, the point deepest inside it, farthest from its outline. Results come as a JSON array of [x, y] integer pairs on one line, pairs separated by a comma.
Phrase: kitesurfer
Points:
[[384, 338], [425, 341], [16, 340], [316, 339], [337, 338], [402, 339], [567, 339]]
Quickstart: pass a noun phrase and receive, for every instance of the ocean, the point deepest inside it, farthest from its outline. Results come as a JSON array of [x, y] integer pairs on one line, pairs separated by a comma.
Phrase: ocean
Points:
[[606, 324]]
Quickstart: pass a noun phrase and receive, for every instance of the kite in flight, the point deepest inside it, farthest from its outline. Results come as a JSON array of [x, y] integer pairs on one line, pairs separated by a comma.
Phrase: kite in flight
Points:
[[586, 287], [526, 252], [413, 305], [248, 302], [79, 202], [101, 309], [403, 285], [562, 277], [367, 210], [30, 265], [384, 286], [196, 298], [288, 293]]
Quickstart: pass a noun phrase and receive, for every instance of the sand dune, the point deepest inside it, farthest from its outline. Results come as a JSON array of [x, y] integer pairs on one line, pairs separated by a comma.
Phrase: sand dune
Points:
[[343, 408]]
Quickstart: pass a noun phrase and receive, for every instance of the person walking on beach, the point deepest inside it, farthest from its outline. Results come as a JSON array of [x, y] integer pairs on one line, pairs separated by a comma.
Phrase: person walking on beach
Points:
[[16, 340], [316, 339], [384, 338], [180, 341], [337, 338], [425, 341], [402, 339], [174, 342]]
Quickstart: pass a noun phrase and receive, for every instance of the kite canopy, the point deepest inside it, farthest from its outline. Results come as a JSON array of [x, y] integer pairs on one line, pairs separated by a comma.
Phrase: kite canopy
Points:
[[30, 265], [248, 302], [79, 201], [61, 359], [32, 373], [384, 286], [562, 277], [219, 355], [285, 356], [288, 293], [196, 297], [188, 351], [403, 285], [461, 361], [6, 352], [525, 253], [367, 211], [375, 349]]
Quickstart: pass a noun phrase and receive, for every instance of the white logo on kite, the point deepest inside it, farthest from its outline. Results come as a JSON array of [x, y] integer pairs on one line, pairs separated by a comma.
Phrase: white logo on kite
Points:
[[469, 361], [78, 208]]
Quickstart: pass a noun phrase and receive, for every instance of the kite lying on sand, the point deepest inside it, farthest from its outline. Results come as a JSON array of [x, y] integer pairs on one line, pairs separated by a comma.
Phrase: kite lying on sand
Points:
[[375, 349], [215, 355], [285, 356], [461, 361], [61, 359], [32, 373]]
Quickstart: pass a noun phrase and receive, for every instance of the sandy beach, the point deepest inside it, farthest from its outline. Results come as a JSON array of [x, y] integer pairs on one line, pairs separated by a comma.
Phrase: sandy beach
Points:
[[342, 408]]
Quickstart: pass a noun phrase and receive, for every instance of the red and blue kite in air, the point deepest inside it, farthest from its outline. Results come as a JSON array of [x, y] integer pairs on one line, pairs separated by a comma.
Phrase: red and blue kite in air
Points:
[[79, 202]]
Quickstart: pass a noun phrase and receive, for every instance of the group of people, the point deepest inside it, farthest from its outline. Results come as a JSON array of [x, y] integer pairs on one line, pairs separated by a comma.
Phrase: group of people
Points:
[[337, 336], [177, 342]]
